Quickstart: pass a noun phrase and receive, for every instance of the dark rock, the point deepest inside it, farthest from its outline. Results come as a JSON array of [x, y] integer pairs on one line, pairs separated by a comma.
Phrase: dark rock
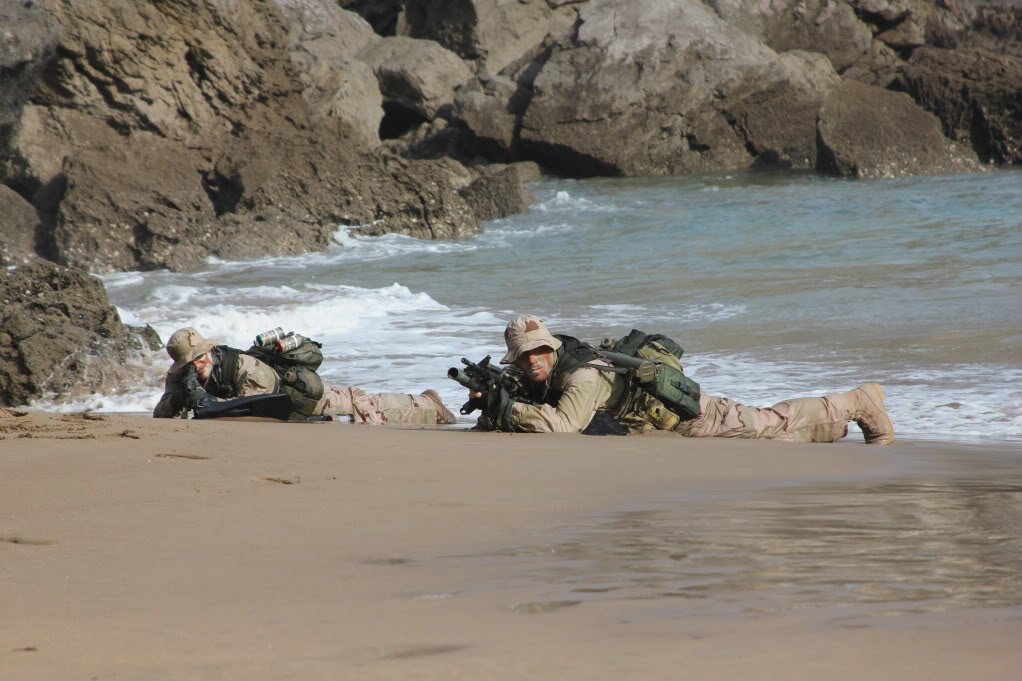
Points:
[[865, 131], [490, 33], [831, 28], [418, 76], [28, 43], [61, 336], [654, 88], [18, 222], [977, 95], [497, 194]]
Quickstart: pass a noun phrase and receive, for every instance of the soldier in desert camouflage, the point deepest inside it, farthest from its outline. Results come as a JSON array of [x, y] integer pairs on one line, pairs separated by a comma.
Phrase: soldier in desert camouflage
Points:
[[572, 390]]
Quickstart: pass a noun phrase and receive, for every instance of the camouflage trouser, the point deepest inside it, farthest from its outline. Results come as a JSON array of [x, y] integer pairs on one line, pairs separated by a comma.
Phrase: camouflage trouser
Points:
[[806, 419], [383, 407]]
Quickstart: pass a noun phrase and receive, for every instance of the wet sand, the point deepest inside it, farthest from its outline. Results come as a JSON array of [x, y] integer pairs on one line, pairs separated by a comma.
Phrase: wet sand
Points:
[[141, 548]]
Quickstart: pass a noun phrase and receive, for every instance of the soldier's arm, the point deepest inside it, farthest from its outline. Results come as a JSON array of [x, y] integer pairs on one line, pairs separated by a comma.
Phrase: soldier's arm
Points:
[[255, 378], [585, 391], [172, 403]]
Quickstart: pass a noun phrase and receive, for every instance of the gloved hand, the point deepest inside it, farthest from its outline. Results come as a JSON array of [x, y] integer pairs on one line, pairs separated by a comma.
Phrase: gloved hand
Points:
[[194, 395], [499, 404]]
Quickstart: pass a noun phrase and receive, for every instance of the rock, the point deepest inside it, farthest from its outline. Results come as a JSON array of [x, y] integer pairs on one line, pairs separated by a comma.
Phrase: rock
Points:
[[490, 33], [62, 336], [497, 194], [977, 95], [18, 221], [880, 66], [487, 107], [382, 15], [646, 87], [865, 131], [779, 122], [322, 41], [28, 43], [415, 76], [825, 26]]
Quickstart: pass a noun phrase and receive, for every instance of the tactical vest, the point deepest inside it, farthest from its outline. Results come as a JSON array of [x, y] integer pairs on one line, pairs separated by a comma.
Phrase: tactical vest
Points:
[[297, 372], [223, 379]]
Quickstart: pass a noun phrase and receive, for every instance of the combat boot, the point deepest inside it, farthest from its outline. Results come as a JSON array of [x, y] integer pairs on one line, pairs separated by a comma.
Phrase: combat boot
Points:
[[866, 407], [444, 415]]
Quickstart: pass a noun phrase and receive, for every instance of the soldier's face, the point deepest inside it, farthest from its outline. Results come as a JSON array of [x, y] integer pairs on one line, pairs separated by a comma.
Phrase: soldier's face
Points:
[[537, 364], [203, 366]]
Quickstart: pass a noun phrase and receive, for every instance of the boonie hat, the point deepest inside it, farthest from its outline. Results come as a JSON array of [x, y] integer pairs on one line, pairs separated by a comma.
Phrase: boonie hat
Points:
[[185, 345], [526, 332]]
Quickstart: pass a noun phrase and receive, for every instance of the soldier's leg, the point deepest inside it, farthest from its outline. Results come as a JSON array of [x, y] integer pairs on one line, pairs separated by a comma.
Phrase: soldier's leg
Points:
[[805, 419], [362, 407]]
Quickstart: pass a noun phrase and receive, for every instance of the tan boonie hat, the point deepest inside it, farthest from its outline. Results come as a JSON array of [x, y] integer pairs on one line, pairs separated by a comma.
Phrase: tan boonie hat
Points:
[[185, 345], [526, 332]]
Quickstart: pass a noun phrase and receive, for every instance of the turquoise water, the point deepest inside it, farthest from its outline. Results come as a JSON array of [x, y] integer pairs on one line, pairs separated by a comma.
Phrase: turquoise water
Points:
[[777, 285]]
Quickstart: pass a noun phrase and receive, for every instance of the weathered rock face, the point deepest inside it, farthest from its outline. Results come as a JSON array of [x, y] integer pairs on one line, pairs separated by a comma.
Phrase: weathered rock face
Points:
[[28, 43], [167, 132], [497, 194], [490, 33], [865, 131], [831, 28], [977, 95], [18, 221], [59, 334], [415, 76], [322, 43], [653, 87]]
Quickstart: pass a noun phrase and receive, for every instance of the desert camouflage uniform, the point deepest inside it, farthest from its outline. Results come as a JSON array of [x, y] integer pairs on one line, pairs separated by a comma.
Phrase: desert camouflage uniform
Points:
[[255, 377], [586, 390]]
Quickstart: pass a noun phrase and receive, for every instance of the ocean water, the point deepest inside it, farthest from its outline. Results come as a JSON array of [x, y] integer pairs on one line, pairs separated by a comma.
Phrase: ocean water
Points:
[[777, 285]]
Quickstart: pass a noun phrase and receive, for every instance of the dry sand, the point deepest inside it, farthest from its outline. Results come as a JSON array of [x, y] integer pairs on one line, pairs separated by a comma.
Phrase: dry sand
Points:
[[141, 548]]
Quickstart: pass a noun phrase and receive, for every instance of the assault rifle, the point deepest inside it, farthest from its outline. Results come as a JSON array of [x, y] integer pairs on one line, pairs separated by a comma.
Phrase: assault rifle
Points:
[[273, 405], [484, 378]]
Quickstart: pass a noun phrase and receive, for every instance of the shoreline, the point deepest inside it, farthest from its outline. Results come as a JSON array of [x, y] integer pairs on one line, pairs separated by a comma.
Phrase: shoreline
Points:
[[150, 548]]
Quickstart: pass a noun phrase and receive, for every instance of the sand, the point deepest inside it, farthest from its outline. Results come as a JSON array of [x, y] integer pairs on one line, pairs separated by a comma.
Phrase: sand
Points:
[[140, 548]]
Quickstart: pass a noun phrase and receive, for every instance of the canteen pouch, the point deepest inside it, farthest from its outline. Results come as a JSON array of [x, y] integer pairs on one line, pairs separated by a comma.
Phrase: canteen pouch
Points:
[[676, 391]]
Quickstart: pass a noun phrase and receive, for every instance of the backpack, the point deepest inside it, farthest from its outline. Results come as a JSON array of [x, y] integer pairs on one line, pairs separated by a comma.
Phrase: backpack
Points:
[[297, 370], [669, 387]]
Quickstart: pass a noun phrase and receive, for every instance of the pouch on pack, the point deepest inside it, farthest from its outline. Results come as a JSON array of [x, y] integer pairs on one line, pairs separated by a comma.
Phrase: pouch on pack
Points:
[[671, 386]]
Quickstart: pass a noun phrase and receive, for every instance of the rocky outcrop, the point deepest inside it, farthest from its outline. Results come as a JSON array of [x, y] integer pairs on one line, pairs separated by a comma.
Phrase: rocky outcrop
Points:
[[60, 335], [166, 133], [322, 43], [830, 28], [977, 95], [498, 193], [865, 131], [28, 44], [416, 77], [18, 220], [654, 88], [490, 34]]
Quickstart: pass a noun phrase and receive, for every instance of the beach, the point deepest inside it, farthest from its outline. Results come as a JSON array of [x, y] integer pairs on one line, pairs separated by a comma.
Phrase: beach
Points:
[[139, 548]]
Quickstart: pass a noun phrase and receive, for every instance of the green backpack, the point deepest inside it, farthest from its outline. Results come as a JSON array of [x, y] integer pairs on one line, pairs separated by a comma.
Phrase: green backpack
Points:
[[297, 370], [669, 385]]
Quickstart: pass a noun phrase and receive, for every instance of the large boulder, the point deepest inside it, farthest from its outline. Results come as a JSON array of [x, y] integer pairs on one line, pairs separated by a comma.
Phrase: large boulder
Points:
[[648, 88], [497, 193], [323, 40], [825, 26], [18, 220], [28, 42], [59, 336], [865, 131], [489, 33], [416, 76], [977, 95]]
